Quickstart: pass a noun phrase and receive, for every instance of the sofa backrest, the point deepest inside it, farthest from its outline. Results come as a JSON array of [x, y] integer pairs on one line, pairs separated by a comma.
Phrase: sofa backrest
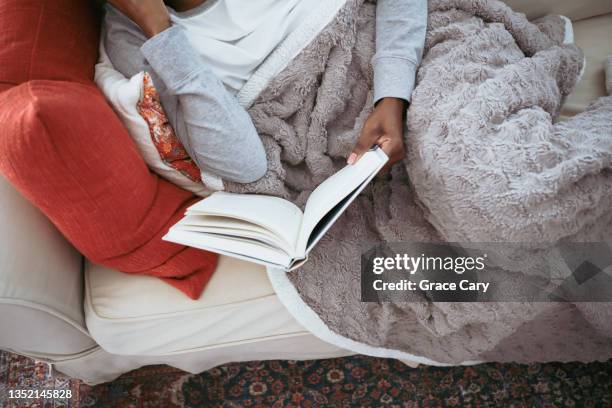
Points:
[[573, 9], [47, 39]]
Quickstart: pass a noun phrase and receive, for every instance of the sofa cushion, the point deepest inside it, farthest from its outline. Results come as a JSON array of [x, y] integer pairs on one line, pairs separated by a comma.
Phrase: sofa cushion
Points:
[[47, 39], [591, 35], [138, 315]]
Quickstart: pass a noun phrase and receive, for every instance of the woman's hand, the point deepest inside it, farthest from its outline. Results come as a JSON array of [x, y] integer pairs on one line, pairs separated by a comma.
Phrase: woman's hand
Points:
[[150, 15], [383, 127]]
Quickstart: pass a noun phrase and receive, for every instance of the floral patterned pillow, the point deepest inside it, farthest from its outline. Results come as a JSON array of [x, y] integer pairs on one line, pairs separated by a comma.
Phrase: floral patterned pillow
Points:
[[166, 142]]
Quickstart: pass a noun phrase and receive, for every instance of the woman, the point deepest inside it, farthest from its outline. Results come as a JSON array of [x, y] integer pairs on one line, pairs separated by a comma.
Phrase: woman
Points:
[[197, 80]]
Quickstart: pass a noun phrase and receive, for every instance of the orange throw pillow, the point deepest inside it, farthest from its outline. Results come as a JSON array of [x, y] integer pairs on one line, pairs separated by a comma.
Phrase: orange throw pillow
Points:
[[64, 149]]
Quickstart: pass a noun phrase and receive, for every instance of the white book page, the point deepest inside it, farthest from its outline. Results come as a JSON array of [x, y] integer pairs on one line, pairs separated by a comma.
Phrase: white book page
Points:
[[266, 239], [235, 247], [279, 216], [336, 189], [234, 227]]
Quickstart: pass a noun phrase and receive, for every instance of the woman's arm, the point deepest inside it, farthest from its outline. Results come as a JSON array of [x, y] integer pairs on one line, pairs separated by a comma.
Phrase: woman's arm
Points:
[[216, 131], [400, 38]]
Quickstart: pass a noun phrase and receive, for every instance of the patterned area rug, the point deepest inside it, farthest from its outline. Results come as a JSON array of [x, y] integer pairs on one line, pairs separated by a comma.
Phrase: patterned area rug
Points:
[[343, 382]]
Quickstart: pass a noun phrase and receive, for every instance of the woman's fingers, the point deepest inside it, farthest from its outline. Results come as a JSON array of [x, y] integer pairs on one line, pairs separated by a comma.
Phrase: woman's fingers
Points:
[[383, 127], [368, 138], [394, 148]]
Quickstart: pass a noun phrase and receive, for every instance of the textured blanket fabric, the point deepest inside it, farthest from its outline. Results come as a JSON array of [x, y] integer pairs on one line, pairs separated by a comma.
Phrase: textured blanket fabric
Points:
[[486, 163]]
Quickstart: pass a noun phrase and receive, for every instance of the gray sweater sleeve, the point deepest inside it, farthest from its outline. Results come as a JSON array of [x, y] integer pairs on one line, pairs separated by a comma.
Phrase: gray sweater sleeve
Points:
[[216, 131], [400, 38]]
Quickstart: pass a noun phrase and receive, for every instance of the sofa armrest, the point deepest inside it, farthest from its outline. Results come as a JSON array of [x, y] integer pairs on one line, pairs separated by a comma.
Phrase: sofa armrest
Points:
[[41, 283], [572, 9]]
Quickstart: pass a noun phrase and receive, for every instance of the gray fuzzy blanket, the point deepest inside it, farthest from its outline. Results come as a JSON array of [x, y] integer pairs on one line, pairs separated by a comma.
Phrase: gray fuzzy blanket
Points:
[[486, 163]]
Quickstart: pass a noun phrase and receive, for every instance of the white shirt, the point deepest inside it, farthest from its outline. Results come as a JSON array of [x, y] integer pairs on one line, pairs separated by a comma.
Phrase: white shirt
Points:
[[234, 37]]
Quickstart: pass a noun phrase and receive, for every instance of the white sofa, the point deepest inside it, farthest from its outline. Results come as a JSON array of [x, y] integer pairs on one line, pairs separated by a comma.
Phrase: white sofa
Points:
[[94, 324]]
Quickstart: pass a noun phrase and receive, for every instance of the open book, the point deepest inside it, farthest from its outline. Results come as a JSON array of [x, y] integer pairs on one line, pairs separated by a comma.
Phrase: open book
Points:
[[269, 230]]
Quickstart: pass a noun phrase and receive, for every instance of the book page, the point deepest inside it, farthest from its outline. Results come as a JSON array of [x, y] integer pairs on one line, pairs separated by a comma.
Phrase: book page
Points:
[[279, 216], [247, 250], [331, 198], [227, 226]]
